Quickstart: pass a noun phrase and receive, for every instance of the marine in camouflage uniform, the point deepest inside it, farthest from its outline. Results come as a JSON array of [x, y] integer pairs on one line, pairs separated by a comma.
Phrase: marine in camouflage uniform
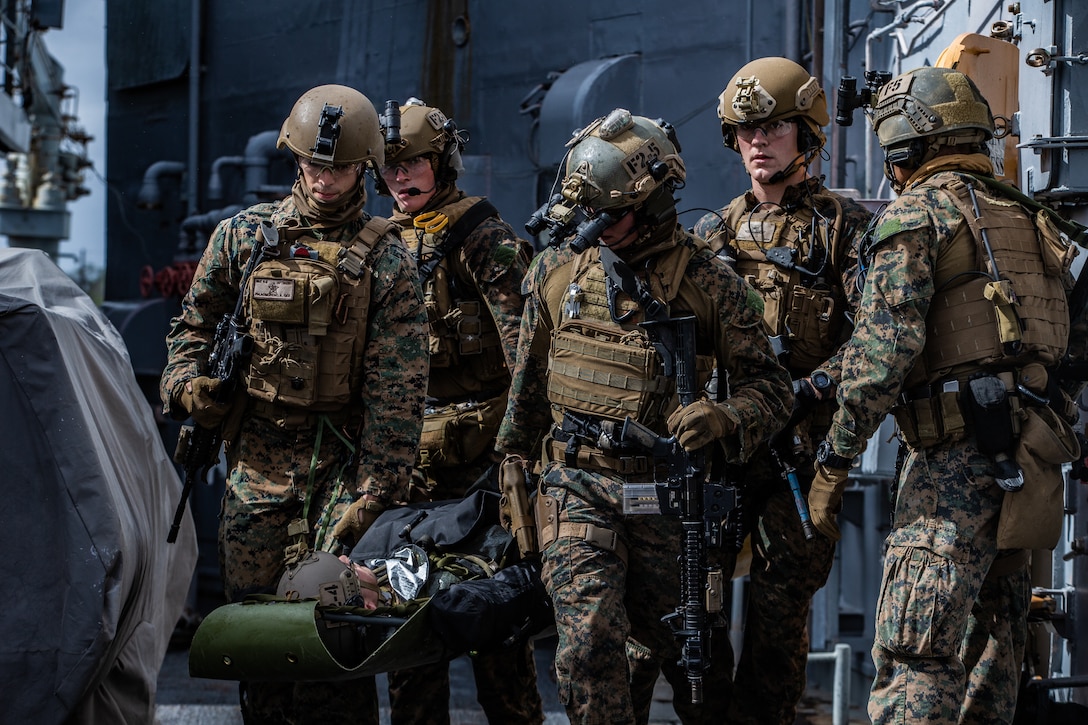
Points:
[[772, 113], [951, 619], [471, 266], [325, 432], [583, 357]]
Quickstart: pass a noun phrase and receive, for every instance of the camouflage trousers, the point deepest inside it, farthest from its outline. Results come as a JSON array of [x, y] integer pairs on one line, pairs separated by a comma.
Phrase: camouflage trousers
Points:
[[267, 488], [995, 641], [786, 571], [601, 601], [505, 688], [939, 613]]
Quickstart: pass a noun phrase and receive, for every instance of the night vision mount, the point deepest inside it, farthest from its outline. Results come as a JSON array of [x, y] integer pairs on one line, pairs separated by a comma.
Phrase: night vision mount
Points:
[[563, 220], [850, 98], [328, 132]]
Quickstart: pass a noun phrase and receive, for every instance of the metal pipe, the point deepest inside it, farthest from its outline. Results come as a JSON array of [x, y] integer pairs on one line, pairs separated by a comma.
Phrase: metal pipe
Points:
[[840, 693], [260, 149], [736, 616], [194, 105], [198, 228], [150, 196], [215, 182], [749, 30]]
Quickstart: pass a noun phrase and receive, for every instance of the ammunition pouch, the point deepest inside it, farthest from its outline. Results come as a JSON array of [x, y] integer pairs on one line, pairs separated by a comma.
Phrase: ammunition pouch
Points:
[[459, 433], [600, 369], [930, 415]]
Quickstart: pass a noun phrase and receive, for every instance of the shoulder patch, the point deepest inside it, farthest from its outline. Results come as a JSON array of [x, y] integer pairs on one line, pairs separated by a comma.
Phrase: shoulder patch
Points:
[[503, 255], [754, 301]]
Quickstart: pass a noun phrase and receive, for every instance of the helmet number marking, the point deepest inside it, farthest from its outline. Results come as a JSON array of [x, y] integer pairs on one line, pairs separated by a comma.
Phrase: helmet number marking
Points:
[[638, 162]]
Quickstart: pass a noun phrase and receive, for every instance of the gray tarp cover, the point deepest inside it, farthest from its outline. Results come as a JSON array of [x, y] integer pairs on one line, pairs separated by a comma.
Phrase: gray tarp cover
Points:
[[92, 591]]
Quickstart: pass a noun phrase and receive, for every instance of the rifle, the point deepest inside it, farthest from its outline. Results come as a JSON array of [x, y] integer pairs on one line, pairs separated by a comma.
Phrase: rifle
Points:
[[700, 505], [198, 447]]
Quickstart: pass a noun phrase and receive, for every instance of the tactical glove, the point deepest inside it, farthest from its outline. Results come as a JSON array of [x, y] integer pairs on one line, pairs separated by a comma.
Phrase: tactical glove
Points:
[[699, 424], [825, 499], [198, 398], [356, 520]]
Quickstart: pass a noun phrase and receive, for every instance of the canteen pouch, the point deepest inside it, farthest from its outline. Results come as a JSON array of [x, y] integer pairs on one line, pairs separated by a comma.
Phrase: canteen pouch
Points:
[[1032, 517]]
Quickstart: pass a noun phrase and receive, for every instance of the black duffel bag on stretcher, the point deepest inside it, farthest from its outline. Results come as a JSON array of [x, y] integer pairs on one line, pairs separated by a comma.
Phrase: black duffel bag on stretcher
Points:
[[447, 586]]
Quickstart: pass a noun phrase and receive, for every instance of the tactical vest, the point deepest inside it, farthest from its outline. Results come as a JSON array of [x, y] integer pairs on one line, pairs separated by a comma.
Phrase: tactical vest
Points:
[[807, 313], [609, 369], [465, 347], [974, 321], [309, 311]]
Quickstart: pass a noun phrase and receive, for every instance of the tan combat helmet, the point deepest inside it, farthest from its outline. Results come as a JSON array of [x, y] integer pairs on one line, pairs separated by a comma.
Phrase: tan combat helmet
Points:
[[620, 160], [768, 89], [427, 130], [334, 125], [921, 110], [322, 576]]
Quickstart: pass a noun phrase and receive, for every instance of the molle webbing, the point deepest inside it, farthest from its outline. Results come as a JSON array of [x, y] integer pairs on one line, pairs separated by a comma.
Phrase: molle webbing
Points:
[[604, 370], [810, 315], [464, 342], [601, 367], [962, 325], [297, 364]]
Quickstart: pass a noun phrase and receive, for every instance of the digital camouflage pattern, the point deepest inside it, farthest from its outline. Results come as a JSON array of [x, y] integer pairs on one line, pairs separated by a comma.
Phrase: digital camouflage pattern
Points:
[[786, 569], [488, 266], [944, 533], [602, 604], [942, 544], [275, 475], [803, 197], [995, 636]]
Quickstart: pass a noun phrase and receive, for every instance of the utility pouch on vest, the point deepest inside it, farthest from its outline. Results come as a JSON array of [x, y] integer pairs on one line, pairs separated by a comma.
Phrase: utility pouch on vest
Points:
[[992, 416], [814, 326], [295, 291], [469, 328], [597, 369], [1058, 250], [460, 433]]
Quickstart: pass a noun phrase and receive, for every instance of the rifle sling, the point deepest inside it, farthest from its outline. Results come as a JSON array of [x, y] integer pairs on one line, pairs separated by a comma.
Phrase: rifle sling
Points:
[[625, 278], [472, 218]]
